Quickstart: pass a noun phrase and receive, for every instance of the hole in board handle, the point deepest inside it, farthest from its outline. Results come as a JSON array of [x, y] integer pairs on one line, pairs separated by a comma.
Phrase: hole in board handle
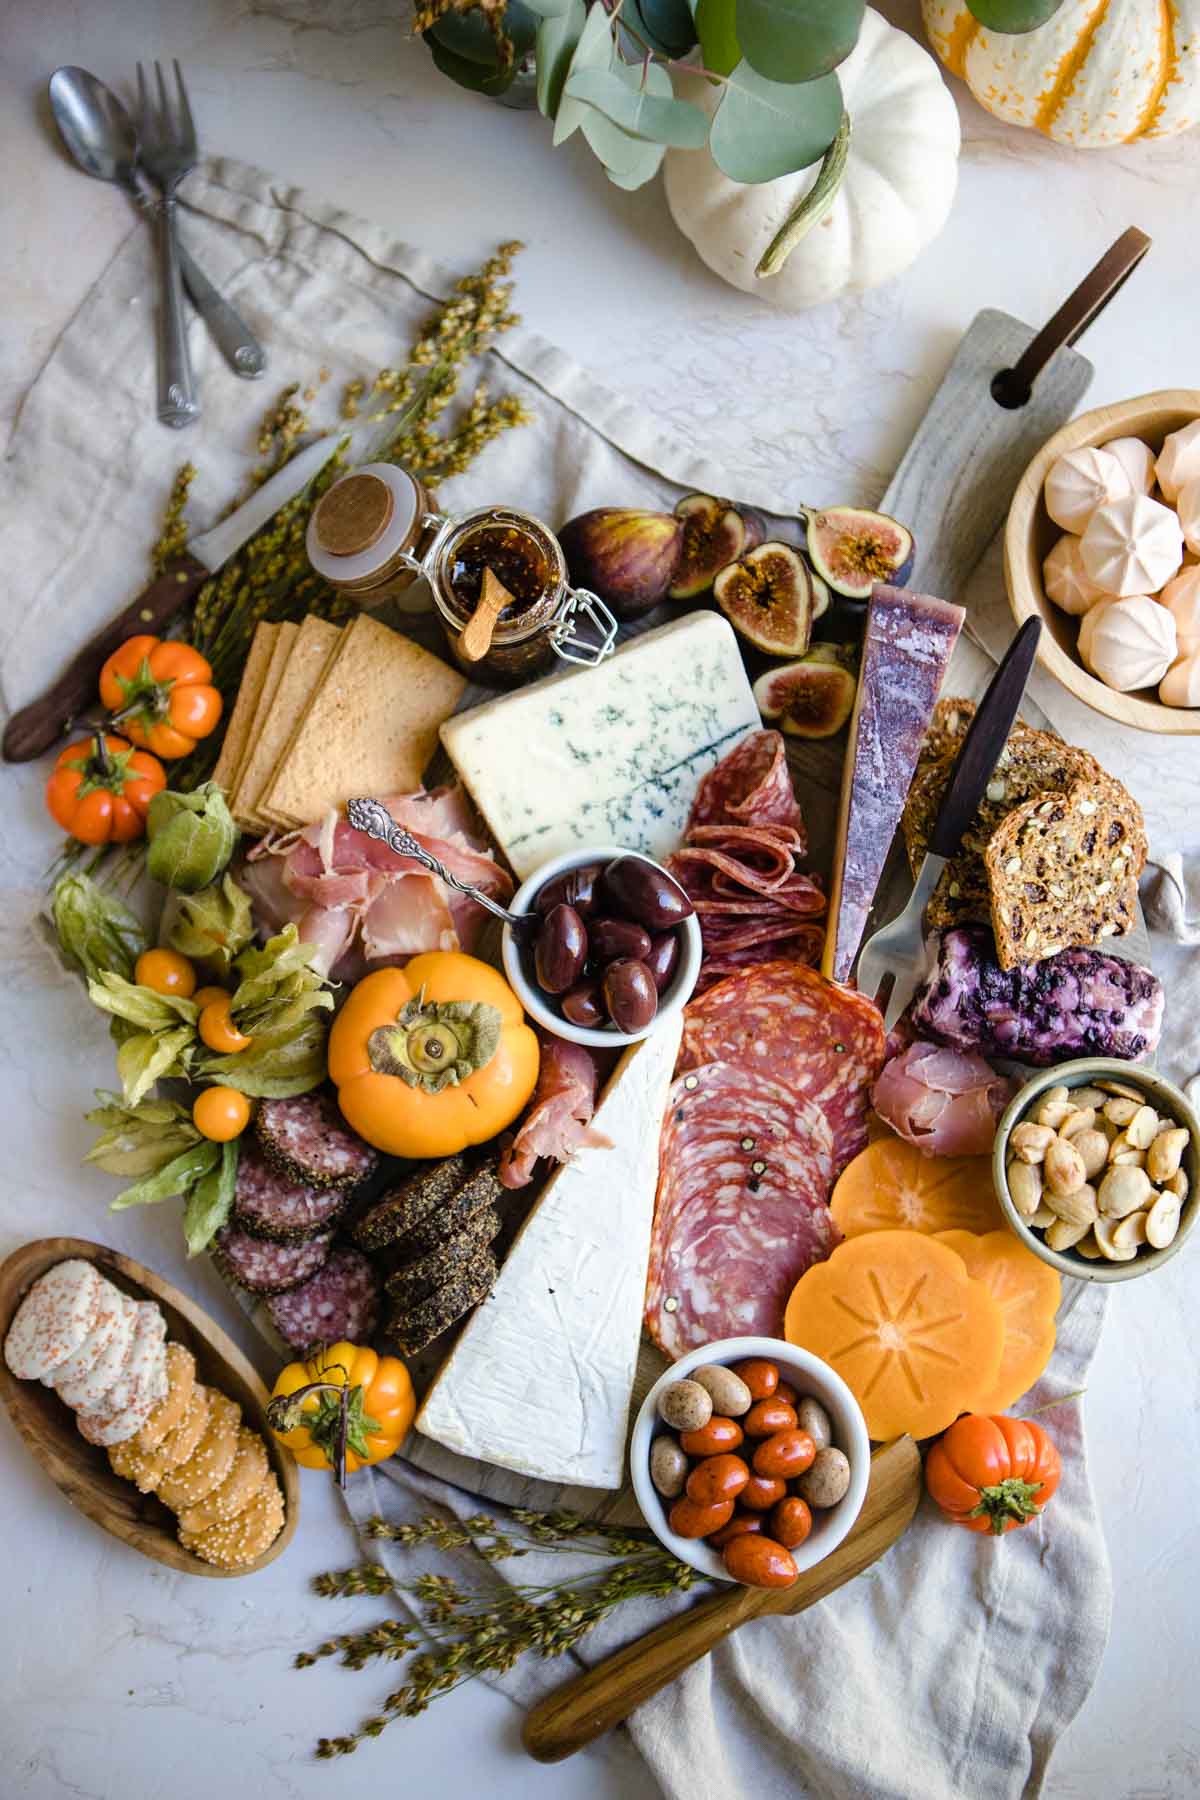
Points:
[[1009, 390]]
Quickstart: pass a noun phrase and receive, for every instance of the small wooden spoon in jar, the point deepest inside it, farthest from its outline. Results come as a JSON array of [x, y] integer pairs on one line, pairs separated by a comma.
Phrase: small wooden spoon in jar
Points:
[[476, 639]]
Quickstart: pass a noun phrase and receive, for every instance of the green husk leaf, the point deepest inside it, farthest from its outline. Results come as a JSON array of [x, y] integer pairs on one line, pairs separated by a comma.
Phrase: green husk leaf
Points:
[[264, 971], [557, 36], [764, 129], [140, 1006], [191, 838], [791, 41], [716, 22], [656, 117], [96, 932], [178, 1176], [138, 1140], [1014, 16], [273, 1071], [148, 1057], [214, 926], [211, 1201]]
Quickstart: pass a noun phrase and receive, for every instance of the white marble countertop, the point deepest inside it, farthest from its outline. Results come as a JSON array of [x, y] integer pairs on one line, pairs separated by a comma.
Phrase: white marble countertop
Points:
[[123, 1681]]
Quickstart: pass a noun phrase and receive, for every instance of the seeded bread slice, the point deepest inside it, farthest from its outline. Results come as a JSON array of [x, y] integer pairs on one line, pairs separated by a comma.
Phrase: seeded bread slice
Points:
[[1062, 872]]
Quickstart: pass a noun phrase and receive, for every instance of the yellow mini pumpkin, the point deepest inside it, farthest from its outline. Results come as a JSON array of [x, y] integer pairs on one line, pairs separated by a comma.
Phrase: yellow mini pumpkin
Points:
[[1099, 72]]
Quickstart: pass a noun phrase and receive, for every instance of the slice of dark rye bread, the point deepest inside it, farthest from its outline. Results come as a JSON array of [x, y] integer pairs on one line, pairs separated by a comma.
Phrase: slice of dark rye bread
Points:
[[413, 1281], [480, 1191], [1063, 873], [411, 1328], [407, 1205]]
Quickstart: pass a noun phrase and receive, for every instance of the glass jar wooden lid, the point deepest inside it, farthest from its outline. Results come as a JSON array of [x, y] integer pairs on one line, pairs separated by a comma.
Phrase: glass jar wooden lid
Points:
[[366, 526]]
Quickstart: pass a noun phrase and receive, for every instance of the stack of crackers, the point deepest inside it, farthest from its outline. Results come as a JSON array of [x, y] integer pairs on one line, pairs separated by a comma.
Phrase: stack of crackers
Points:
[[1052, 857], [325, 712]]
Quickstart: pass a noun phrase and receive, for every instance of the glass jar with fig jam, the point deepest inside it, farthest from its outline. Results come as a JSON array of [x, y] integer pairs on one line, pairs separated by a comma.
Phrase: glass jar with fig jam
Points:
[[543, 622]]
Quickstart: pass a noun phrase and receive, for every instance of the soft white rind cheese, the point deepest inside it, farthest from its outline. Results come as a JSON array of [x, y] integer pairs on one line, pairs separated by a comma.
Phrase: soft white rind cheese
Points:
[[611, 755], [540, 1380]]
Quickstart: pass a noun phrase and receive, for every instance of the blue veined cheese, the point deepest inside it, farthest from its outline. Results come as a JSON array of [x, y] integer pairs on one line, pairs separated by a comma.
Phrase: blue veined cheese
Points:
[[610, 755], [541, 1378]]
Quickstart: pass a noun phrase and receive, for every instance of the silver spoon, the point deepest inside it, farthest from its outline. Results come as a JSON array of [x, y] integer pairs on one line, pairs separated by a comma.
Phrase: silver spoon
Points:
[[373, 818], [100, 135]]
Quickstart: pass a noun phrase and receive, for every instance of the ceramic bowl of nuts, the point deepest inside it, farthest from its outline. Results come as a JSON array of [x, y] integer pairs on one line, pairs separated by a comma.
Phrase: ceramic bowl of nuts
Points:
[[1096, 1164]]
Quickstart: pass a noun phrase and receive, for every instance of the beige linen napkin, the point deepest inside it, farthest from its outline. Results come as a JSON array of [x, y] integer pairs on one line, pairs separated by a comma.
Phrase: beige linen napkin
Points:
[[954, 1665]]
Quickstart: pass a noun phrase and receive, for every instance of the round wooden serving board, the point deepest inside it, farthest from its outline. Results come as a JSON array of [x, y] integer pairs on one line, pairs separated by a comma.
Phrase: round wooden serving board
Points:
[[81, 1470]]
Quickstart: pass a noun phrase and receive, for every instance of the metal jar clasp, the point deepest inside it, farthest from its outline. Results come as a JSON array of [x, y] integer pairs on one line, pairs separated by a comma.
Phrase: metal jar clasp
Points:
[[582, 650]]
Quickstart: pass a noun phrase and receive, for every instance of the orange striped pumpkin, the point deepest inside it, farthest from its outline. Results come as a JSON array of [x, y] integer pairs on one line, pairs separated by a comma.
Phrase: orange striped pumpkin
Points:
[[1099, 72]]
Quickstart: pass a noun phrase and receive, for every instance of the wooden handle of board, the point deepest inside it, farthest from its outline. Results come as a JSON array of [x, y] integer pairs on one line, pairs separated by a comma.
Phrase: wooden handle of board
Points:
[[476, 639], [593, 1703], [44, 720]]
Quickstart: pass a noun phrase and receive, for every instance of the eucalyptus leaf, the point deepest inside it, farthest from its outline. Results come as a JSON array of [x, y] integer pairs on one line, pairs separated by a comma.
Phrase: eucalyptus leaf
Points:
[[478, 78], [644, 170], [274, 1071], [716, 22], [140, 1006], [640, 112], [557, 36], [665, 25], [96, 932], [148, 1057], [211, 1202], [629, 161], [798, 40], [176, 1177], [764, 129], [548, 9], [1014, 16], [595, 50]]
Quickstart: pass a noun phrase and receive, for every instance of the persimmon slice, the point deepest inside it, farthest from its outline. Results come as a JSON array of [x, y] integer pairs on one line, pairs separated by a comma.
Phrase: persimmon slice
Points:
[[891, 1185], [1027, 1292], [913, 1336]]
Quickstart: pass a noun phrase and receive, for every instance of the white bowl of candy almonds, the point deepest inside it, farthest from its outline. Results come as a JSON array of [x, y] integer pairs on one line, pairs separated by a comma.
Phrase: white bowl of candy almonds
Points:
[[1096, 1163]]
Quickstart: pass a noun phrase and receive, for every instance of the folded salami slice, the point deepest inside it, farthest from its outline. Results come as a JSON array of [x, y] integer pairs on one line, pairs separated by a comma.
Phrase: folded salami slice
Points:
[[745, 1171], [803, 943], [750, 786], [781, 1019]]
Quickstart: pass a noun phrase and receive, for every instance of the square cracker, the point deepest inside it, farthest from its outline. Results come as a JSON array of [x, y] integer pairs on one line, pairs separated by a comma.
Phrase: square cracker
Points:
[[285, 637], [237, 730], [371, 727], [314, 644]]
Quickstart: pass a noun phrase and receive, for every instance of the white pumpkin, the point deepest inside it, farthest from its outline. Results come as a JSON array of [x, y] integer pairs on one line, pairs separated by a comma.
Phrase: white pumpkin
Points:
[[894, 197], [1099, 72]]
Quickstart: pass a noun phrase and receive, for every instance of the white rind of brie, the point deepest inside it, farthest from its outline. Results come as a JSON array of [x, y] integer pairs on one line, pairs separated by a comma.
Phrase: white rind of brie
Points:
[[541, 1379]]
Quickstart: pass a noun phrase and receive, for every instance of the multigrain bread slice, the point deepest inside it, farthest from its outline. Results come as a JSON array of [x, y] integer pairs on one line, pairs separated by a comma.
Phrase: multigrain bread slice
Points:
[[1062, 872]]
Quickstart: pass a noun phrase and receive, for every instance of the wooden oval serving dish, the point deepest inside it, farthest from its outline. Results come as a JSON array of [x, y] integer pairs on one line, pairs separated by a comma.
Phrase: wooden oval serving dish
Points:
[[80, 1470], [1031, 534]]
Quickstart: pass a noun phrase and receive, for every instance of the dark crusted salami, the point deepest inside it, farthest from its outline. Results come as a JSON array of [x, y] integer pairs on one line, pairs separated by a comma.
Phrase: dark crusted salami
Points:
[[414, 1281], [265, 1268], [307, 1138], [448, 1221], [745, 1171], [750, 786], [339, 1301], [823, 1041], [412, 1328], [403, 1207], [269, 1204]]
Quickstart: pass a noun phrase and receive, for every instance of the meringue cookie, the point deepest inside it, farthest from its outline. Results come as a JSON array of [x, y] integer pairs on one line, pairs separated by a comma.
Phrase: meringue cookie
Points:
[[1081, 481], [1065, 579], [1187, 506], [1133, 643], [1180, 686], [1137, 460], [1179, 459], [1132, 546], [1181, 597], [1087, 630]]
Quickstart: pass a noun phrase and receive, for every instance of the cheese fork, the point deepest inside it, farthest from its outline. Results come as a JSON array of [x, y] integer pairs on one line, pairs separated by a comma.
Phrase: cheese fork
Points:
[[896, 952]]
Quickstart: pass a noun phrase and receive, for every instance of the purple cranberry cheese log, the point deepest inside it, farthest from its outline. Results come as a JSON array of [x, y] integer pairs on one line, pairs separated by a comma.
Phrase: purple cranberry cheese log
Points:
[[1077, 1003], [906, 649]]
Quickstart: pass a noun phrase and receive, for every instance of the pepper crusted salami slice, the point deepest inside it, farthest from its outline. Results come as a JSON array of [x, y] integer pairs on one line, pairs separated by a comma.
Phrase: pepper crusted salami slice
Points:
[[412, 1328], [750, 786], [270, 1204], [265, 1268], [54, 1318], [415, 1281], [339, 1301], [745, 1170], [822, 1040], [398, 1211], [448, 1221], [308, 1139]]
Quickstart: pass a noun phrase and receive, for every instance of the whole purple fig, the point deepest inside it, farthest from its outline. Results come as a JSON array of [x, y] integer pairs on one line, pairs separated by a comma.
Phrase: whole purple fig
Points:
[[626, 555]]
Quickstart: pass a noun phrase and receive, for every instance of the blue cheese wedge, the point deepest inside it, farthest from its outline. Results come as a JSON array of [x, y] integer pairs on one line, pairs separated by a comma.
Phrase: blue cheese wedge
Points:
[[541, 1379], [610, 755]]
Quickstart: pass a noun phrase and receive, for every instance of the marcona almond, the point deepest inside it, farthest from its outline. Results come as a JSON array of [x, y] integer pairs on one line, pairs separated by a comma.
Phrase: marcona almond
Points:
[[1162, 1222], [1120, 1109], [1087, 1246], [1142, 1129], [1063, 1168], [1124, 1190], [1054, 1113], [1131, 1230], [1103, 1230], [1062, 1235], [1079, 1207], [1052, 1097], [1083, 1118], [1041, 1218], [1178, 1185], [1092, 1146], [1025, 1186], [1030, 1142], [1088, 1096], [1166, 1153], [1121, 1087]]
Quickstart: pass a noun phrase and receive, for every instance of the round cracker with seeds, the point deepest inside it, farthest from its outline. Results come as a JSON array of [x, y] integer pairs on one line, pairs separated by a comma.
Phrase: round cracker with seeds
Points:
[[235, 1542], [235, 1493], [211, 1460]]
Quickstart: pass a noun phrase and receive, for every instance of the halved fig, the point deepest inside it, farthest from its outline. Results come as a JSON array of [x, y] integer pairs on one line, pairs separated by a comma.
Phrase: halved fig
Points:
[[811, 698], [767, 596], [821, 594], [852, 549], [715, 533]]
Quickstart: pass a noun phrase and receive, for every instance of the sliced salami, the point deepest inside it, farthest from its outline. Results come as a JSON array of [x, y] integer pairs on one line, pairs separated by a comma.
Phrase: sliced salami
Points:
[[803, 943], [750, 786], [788, 1023], [308, 1139], [269, 1204], [262, 1267], [745, 1171], [339, 1301]]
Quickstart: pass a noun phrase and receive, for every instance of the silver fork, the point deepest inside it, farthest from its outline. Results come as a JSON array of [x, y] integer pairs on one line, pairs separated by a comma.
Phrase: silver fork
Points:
[[168, 147]]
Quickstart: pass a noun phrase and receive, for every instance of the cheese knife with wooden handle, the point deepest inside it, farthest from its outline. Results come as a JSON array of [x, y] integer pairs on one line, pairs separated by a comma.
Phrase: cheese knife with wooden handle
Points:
[[593, 1703]]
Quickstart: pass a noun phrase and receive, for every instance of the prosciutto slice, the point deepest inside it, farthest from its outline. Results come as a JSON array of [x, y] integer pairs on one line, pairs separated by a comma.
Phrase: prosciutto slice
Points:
[[558, 1117], [944, 1101]]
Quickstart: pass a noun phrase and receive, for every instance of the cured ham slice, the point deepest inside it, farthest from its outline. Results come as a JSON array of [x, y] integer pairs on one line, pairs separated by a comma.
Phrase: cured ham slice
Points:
[[558, 1117], [745, 1169], [944, 1101]]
